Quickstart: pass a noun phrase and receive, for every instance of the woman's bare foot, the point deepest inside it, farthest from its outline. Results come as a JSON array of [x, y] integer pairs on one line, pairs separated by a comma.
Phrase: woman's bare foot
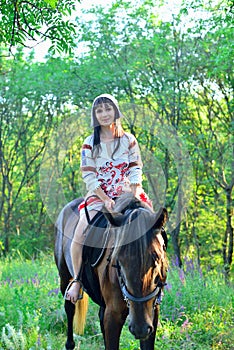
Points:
[[73, 291]]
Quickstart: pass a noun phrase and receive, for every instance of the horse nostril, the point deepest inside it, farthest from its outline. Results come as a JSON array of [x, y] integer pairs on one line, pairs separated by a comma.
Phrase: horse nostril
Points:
[[142, 332]]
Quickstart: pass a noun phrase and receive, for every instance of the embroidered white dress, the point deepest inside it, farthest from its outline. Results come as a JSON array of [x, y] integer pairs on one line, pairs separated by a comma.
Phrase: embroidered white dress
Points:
[[115, 175]]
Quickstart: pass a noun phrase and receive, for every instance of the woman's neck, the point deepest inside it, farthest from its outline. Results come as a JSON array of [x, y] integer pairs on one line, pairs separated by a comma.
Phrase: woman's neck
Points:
[[107, 132]]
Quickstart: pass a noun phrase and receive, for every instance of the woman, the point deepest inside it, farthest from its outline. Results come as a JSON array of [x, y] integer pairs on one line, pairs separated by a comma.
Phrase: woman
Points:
[[111, 165]]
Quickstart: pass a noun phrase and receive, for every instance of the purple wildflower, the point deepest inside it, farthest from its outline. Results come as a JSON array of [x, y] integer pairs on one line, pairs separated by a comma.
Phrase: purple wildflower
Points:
[[186, 324], [39, 340], [53, 291], [182, 276], [168, 287]]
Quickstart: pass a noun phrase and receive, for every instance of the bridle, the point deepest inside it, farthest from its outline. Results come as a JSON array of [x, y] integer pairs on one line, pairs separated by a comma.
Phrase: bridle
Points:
[[156, 293]]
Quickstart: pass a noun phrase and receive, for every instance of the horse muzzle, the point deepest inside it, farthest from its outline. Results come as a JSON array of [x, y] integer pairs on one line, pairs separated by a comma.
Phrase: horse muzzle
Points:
[[141, 331]]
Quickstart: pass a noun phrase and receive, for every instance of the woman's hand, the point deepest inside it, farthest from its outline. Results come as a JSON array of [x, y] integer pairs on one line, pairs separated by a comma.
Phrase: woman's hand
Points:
[[135, 188], [109, 204]]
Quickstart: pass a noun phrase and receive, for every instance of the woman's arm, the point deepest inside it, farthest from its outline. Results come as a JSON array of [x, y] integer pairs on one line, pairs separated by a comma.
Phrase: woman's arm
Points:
[[135, 164], [88, 166]]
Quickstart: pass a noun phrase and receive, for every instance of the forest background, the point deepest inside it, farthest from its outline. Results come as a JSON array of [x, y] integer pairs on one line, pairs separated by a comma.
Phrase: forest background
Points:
[[173, 77]]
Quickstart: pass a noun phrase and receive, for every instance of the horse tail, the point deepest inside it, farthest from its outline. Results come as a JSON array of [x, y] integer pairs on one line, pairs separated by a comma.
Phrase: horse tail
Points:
[[80, 314]]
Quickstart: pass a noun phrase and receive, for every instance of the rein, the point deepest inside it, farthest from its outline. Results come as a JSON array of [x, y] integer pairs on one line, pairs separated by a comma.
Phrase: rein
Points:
[[128, 296], [86, 210]]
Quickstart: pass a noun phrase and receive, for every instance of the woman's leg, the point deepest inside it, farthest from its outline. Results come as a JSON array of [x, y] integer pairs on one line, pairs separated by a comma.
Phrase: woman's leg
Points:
[[76, 255]]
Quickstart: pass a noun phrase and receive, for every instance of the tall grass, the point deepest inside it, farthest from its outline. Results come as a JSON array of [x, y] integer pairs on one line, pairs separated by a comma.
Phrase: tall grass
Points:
[[196, 312]]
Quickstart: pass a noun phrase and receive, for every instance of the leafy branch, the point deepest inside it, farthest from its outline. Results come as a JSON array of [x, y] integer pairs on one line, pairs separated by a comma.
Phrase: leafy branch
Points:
[[37, 21]]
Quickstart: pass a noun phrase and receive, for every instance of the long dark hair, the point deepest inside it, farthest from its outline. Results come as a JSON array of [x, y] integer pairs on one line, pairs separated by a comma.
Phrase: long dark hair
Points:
[[118, 132]]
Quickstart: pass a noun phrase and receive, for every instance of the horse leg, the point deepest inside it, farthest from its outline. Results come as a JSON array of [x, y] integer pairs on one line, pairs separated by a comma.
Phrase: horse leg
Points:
[[101, 318], [113, 324], [149, 343], [70, 311]]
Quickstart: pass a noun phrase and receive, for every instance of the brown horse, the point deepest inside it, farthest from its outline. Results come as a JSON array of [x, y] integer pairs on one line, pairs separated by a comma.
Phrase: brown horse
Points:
[[124, 269]]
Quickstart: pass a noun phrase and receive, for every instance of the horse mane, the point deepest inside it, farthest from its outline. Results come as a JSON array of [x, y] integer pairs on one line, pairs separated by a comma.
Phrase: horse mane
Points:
[[127, 201], [137, 236]]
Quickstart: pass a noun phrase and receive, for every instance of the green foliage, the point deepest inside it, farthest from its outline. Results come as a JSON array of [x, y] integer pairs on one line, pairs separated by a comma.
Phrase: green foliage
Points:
[[27, 22], [194, 308], [30, 289], [195, 313], [13, 339], [165, 72], [31, 107]]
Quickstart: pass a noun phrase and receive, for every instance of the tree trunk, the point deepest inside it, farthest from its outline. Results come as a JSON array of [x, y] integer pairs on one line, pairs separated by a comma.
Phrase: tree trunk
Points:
[[228, 237], [176, 245]]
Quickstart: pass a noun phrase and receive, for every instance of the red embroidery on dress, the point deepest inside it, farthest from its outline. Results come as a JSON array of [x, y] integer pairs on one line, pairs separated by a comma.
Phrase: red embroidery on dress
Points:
[[88, 168], [143, 197], [133, 164], [86, 146], [109, 175], [132, 144]]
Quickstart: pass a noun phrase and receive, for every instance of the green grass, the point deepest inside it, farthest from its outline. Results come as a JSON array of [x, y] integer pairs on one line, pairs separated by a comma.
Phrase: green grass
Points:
[[196, 312]]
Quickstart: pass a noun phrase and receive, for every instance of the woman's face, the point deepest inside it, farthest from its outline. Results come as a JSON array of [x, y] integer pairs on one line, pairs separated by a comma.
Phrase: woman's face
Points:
[[105, 114]]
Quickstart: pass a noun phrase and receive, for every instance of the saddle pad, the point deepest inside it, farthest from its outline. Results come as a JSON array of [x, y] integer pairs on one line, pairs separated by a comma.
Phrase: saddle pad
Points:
[[92, 256], [95, 242]]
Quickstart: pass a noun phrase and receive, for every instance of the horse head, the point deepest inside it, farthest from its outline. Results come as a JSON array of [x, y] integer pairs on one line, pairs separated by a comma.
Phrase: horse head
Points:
[[140, 259]]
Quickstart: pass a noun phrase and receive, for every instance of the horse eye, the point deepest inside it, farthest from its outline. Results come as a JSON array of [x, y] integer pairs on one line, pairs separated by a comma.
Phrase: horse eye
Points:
[[156, 280]]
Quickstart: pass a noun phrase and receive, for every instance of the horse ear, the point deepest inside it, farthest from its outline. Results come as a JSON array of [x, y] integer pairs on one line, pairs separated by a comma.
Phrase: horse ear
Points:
[[114, 219], [161, 218]]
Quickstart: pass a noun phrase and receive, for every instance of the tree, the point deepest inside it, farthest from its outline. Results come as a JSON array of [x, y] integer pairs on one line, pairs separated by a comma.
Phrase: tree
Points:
[[214, 104], [25, 23], [31, 106]]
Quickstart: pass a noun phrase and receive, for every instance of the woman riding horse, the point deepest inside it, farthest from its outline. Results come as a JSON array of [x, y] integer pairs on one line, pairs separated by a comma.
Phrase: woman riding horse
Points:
[[111, 165]]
